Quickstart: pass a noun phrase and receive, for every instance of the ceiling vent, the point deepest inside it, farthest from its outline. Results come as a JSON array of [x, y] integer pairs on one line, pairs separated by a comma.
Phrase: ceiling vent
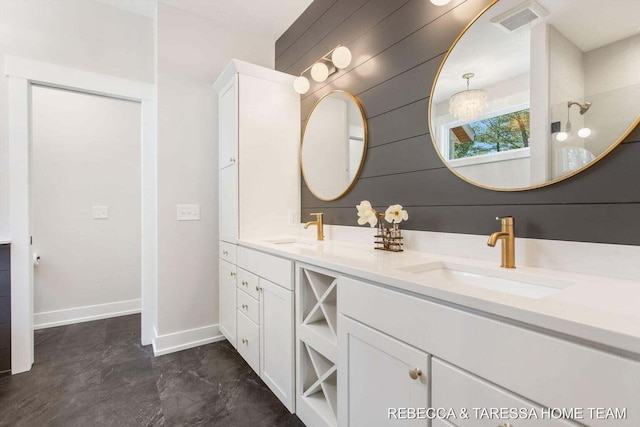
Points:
[[519, 16]]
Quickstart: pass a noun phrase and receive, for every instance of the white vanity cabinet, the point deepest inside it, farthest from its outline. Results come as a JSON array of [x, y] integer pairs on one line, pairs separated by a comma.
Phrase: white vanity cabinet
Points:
[[259, 142], [259, 193], [382, 373], [476, 361], [265, 307], [227, 283]]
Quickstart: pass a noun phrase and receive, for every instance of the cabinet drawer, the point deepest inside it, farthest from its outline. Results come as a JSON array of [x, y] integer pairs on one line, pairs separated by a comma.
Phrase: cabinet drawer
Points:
[[437, 422], [249, 342], [228, 252], [274, 269], [454, 388], [551, 371], [249, 283], [249, 306]]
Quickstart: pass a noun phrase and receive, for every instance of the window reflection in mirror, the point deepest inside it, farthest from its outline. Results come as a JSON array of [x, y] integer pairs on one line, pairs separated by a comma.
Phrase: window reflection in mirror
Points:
[[571, 64]]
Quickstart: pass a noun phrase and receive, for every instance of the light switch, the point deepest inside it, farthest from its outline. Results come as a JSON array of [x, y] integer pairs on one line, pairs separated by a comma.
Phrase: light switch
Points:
[[100, 212], [188, 212]]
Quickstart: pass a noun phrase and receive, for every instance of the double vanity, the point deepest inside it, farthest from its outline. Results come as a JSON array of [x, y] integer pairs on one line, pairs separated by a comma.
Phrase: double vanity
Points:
[[373, 330], [347, 335]]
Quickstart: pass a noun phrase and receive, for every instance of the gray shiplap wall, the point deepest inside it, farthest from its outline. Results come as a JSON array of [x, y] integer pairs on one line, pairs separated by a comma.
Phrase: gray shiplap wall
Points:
[[397, 47]]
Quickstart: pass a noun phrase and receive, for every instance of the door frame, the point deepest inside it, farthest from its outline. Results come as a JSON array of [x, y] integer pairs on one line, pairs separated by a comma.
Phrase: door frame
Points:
[[21, 73]]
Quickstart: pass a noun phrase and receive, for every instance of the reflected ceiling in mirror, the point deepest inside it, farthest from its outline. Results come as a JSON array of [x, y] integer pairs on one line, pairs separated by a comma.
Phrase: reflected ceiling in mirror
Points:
[[533, 92], [334, 145]]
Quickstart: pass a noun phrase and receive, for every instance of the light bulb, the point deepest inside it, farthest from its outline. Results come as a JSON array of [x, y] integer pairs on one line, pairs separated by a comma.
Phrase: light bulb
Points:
[[301, 85], [341, 57], [562, 136], [584, 133], [440, 2], [319, 72]]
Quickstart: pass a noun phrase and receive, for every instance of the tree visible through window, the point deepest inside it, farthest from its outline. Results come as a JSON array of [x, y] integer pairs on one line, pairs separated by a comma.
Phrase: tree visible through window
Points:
[[501, 133]]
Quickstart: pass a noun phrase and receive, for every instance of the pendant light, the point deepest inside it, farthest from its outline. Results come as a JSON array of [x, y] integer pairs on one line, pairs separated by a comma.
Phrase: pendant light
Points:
[[469, 104]]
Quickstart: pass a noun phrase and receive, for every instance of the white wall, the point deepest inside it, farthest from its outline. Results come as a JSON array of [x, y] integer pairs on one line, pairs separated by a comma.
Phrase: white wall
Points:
[[85, 152], [612, 84], [566, 83], [192, 51], [76, 33]]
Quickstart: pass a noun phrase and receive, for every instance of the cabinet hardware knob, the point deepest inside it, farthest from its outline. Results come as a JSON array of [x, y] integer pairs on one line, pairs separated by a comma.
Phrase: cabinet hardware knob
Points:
[[244, 283], [415, 373], [258, 288], [506, 425], [245, 306], [245, 341], [233, 274], [225, 252], [232, 160]]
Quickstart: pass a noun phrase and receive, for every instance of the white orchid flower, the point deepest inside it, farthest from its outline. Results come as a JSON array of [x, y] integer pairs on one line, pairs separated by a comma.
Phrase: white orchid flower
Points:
[[366, 214], [395, 214]]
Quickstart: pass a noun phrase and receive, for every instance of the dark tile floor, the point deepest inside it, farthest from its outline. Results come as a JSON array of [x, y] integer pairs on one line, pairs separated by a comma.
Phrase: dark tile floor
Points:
[[98, 374]]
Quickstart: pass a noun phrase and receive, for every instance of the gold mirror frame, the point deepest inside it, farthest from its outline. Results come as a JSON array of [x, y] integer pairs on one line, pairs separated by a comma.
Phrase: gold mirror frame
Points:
[[364, 147], [623, 136]]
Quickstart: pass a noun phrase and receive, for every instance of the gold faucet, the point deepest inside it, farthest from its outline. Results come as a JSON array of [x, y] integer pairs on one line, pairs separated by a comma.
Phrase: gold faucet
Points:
[[508, 237], [318, 222]]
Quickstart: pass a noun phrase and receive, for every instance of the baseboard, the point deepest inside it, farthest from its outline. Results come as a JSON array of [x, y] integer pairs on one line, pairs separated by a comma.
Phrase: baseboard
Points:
[[183, 340], [50, 319]]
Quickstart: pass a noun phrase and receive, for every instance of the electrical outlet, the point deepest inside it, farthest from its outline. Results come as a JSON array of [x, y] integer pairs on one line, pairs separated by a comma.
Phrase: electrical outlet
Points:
[[188, 212], [100, 212]]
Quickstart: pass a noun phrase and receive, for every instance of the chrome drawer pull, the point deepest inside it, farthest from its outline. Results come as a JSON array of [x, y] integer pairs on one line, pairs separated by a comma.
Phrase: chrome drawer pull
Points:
[[245, 341], [415, 373]]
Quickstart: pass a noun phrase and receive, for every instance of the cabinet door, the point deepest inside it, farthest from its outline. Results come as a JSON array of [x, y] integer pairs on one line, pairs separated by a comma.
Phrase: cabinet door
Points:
[[249, 341], [228, 123], [229, 204], [228, 301], [377, 373], [278, 365]]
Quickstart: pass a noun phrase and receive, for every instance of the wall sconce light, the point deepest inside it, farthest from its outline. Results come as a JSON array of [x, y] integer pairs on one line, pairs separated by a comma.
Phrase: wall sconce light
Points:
[[583, 132], [440, 2], [329, 63], [469, 104]]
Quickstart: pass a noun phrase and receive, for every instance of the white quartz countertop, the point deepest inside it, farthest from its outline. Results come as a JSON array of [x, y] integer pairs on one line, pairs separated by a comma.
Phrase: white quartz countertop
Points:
[[598, 309]]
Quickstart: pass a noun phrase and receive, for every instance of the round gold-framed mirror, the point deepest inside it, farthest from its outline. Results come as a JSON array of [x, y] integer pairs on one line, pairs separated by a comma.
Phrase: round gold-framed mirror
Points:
[[334, 145], [534, 92]]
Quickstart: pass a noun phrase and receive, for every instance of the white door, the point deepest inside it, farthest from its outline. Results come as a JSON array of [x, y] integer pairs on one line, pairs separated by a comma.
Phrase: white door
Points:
[[278, 365], [376, 374], [86, 205], [228, 301]]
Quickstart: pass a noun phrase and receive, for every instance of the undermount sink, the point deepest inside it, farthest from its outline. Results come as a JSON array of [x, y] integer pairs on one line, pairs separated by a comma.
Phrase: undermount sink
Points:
[[508, 281]]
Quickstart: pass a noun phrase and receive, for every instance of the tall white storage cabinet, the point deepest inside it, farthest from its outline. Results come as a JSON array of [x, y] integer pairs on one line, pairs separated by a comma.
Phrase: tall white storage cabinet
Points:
[[259, 179], [259, 142]]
